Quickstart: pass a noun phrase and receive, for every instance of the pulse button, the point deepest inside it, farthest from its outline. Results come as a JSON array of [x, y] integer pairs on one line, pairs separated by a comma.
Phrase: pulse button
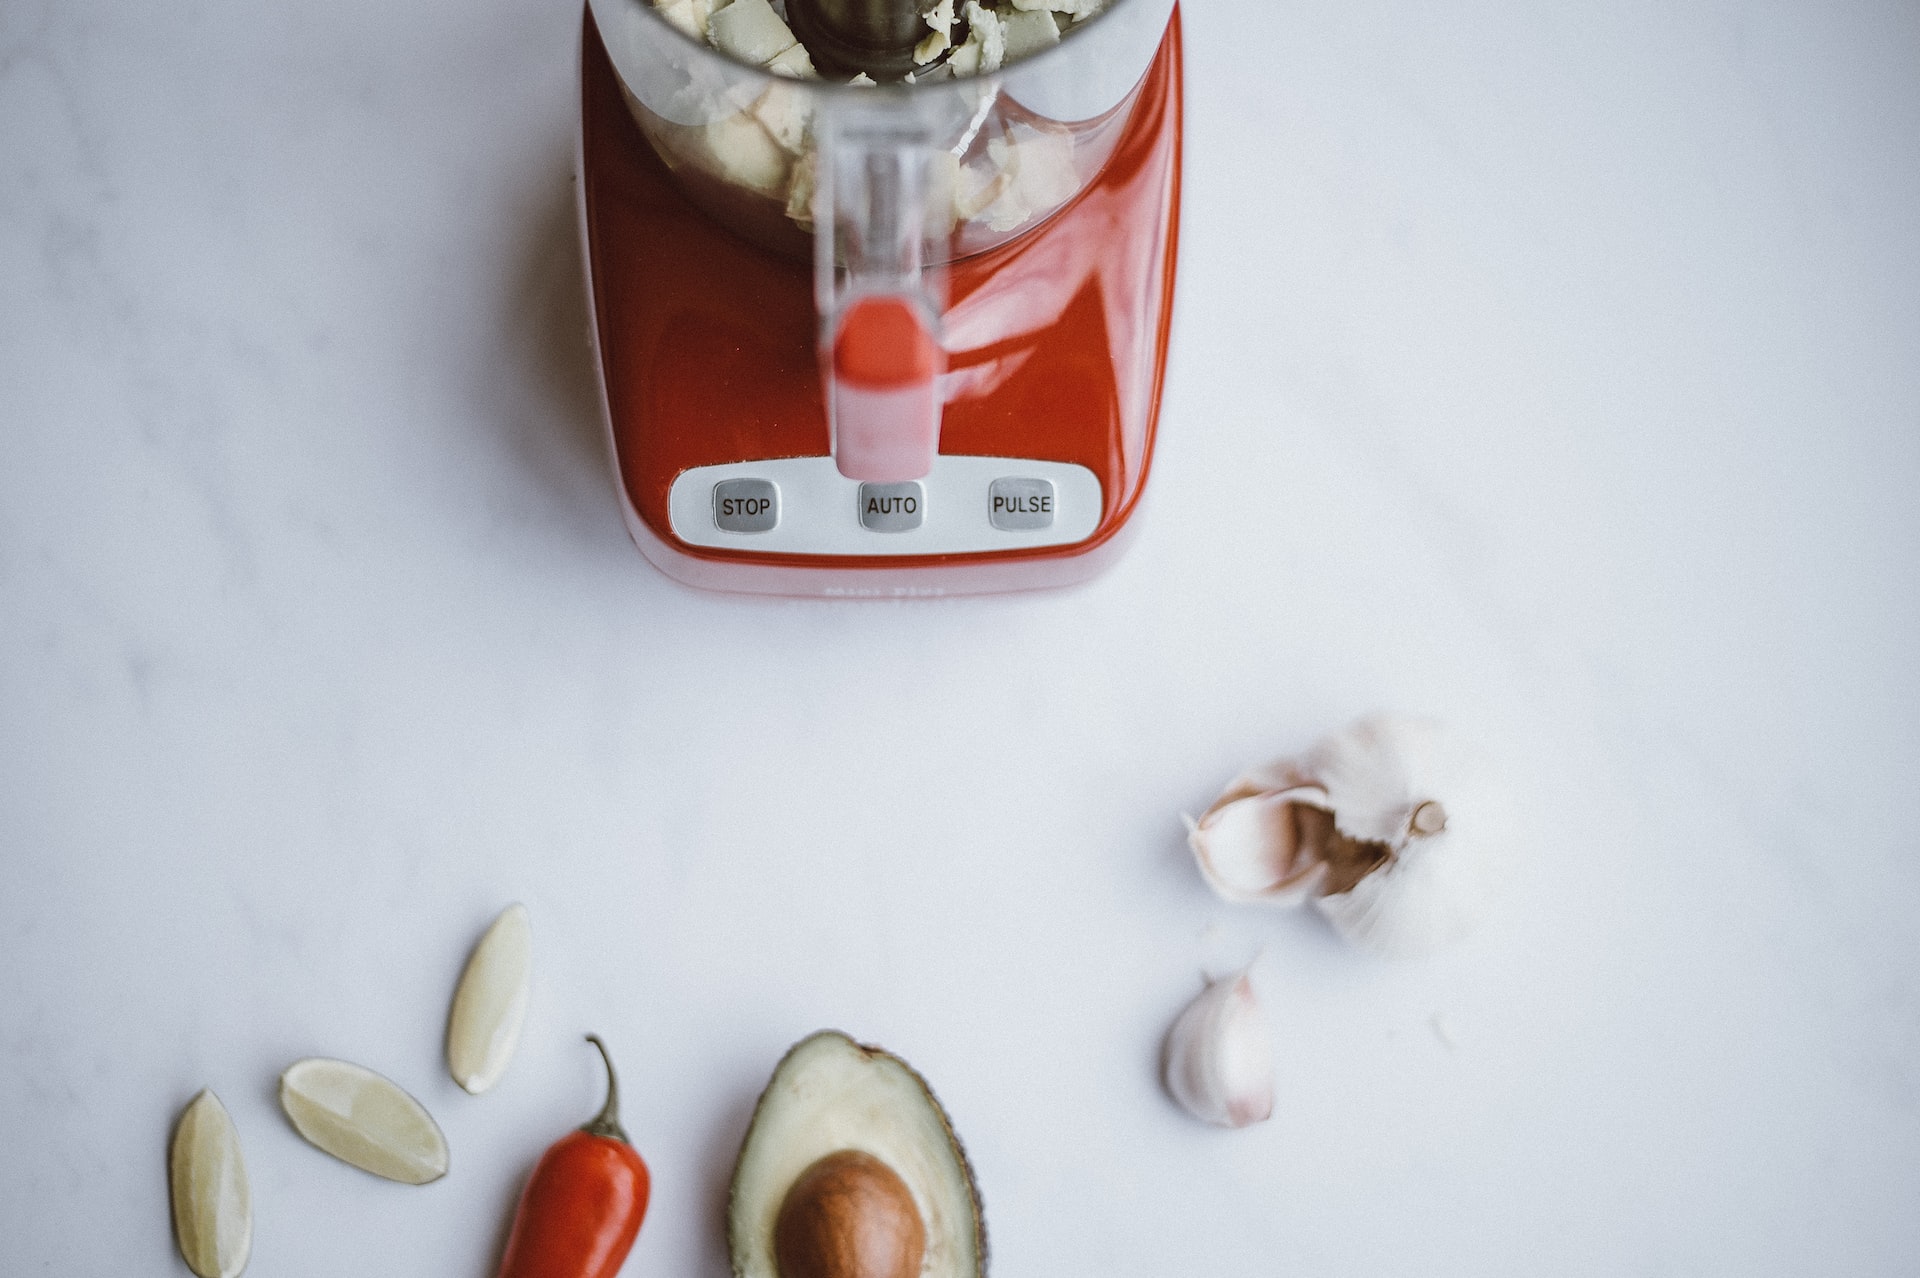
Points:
[[1015, 504], [746, 505]]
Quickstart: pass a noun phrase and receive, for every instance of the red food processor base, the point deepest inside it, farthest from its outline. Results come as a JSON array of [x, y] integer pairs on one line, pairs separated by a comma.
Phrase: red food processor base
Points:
[[1057, 345]]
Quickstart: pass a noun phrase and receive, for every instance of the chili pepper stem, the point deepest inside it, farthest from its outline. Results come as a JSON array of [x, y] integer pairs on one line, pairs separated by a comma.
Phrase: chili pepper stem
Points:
[[607, 1122]]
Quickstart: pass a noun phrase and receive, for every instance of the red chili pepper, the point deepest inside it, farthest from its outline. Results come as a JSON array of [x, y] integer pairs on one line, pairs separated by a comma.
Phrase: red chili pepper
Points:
[[583, 1204]]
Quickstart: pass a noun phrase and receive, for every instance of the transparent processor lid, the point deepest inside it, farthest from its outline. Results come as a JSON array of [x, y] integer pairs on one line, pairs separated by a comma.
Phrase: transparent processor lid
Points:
[[881, 139]]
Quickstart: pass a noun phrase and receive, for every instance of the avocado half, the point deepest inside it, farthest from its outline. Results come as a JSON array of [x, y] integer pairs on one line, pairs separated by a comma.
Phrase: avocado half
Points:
[[830, 1093]]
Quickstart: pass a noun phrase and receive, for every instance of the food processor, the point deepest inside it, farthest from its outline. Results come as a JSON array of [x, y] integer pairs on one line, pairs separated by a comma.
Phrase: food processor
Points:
[[881, 288]]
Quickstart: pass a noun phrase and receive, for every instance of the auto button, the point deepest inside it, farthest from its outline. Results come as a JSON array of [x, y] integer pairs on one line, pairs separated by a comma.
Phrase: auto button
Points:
[[892, 507]]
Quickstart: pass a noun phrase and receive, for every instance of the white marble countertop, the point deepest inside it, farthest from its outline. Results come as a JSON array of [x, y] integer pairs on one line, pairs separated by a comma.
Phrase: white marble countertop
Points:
[[1554, 371]]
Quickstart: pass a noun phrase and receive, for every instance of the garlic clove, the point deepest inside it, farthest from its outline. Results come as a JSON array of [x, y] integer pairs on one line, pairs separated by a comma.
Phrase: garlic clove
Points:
[[1425, 897], [361, 1118], [940, 18], [1219, 1060], [207, 1177], [490, 1003], [749, 30], [1264, 848]]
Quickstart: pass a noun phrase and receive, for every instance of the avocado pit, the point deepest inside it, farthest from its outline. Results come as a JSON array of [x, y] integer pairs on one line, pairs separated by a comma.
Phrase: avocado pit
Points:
[[849, 1216]]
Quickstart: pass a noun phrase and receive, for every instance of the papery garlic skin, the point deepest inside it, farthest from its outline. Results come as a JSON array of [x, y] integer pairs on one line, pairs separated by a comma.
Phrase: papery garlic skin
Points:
[[1378, 772], [1219, 1058], [1405, 783], [1428, 896]]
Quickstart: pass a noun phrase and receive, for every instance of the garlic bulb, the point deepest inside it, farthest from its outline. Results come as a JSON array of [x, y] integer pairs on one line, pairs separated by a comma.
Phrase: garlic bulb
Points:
[[1219, 1062], [1368, 825]]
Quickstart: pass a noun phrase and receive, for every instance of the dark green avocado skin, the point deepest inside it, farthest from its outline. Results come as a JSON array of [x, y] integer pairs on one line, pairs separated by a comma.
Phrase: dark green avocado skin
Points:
[[933, 1102]]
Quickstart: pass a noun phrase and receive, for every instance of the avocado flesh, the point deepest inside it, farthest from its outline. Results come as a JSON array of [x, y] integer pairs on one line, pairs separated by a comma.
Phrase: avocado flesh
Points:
[[828, 1094]]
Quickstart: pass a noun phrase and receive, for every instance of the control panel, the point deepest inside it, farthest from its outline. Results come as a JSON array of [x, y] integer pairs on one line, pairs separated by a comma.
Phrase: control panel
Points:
[[805, 506]]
